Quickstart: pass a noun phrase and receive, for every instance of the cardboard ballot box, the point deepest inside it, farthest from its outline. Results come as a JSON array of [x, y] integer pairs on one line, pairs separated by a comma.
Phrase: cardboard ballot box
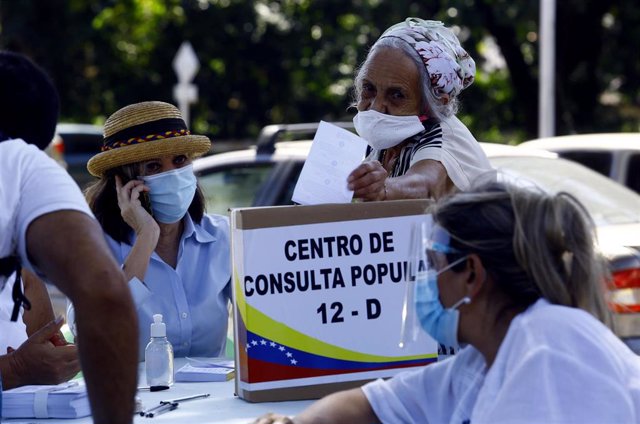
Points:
[[318, 294]]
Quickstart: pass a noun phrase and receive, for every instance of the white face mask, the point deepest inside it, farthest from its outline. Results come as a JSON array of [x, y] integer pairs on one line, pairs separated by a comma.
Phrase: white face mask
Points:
[[171, 193], [383, 131]]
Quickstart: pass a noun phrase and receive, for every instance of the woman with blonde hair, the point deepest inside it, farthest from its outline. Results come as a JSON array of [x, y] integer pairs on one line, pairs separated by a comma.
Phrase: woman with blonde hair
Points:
[[514, 277]]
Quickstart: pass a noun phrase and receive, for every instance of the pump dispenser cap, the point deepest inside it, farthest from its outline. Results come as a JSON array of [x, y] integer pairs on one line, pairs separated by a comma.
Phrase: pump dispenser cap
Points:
[[158, 328]]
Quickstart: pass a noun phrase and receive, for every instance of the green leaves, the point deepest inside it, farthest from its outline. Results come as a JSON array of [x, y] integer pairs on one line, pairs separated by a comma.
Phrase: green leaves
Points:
[[268, 61]]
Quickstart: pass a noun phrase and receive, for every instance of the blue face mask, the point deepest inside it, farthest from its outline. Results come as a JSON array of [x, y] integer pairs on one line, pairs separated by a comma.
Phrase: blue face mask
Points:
[[171, 193], [440, 323]]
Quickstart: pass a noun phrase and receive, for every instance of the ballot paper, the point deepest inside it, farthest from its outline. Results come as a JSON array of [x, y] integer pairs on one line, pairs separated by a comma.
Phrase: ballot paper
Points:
[[206, 369], [66, 400], [335, 152]]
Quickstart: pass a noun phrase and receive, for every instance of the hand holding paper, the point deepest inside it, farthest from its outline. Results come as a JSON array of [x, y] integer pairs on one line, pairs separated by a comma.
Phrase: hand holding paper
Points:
[[335, 152], [39, 361], [368, 181]]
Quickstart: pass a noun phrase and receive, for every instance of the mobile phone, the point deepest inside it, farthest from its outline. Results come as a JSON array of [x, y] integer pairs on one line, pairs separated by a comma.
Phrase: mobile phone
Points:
[[127, 174], [146, 202]]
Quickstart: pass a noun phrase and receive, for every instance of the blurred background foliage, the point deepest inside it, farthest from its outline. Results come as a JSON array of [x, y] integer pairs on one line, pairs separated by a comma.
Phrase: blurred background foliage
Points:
[[264, 62]]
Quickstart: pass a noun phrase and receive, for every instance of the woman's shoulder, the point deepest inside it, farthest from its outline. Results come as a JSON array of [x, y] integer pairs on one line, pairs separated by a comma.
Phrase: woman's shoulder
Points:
[[543, 312], [542, 315], [215, 219], [563, 329], [215, 224]]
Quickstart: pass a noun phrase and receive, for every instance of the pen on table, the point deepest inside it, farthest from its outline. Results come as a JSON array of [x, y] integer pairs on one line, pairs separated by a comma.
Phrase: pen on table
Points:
[[145, 412], [163, 408], [153, 388], [170, 401], [186, 398]]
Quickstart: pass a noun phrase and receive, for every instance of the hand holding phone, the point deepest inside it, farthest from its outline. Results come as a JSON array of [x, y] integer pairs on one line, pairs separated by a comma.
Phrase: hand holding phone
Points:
[[145, 201], [134, 203]]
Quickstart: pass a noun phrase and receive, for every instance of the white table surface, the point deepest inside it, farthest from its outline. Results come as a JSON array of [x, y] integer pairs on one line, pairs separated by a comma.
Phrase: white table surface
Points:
[[221, 407]]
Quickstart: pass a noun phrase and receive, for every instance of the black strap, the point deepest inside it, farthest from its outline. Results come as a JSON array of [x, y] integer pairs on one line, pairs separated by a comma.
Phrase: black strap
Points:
[[8, 266], [19, 299]]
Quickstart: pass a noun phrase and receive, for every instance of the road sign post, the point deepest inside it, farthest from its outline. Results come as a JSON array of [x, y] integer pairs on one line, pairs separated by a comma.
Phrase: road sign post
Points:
[[185, 65]]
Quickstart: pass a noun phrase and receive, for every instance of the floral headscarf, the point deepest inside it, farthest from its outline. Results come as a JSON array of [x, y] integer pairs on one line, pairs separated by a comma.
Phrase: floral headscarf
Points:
[[449, 66]]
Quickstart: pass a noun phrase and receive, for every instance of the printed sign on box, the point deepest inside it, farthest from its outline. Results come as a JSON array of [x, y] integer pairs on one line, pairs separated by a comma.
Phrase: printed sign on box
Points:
[[318, 294]]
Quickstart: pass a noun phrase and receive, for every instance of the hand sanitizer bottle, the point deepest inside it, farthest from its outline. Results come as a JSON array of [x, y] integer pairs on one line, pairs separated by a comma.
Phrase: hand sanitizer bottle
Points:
[[158, 355]]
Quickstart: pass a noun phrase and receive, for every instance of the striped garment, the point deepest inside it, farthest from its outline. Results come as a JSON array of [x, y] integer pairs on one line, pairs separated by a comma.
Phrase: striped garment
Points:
[[431, 137]]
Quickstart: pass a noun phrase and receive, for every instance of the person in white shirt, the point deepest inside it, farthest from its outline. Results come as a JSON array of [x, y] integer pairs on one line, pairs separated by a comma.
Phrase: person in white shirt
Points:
[[513, 276], [406, 94], [46, 227]]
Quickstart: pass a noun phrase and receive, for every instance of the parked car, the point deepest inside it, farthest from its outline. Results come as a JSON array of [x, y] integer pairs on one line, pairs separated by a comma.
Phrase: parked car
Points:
[[266, 174], [616, 155], [72, 147], [55, 149]]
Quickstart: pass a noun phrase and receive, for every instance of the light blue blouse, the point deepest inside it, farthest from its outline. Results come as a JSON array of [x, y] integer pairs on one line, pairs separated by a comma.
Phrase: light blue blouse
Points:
[[193, 298]]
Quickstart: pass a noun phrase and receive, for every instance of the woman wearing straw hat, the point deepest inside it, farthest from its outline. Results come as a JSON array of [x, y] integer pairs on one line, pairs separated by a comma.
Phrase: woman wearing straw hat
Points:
[[175, 257]]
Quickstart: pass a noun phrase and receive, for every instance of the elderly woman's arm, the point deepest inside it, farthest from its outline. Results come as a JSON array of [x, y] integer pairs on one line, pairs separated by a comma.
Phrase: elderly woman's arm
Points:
[[348, 407], [424, 179]]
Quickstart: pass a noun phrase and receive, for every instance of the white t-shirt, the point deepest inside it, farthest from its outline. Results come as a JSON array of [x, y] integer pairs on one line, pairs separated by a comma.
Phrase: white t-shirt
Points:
[[31, 184], [460, 154], [555, 365], [449, 142]]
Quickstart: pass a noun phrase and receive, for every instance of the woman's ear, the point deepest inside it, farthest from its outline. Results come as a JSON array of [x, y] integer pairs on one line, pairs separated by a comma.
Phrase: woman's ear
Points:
[[477, 275]]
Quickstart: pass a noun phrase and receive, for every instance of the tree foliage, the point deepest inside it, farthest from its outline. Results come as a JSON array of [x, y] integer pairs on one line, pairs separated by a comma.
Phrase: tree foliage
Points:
[[266, 61]]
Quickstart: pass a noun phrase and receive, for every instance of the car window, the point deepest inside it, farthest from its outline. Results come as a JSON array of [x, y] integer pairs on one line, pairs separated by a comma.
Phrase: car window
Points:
[[290, 185], [608, 202], [633, 173], [232, 186], [598, 161], [82, 143]]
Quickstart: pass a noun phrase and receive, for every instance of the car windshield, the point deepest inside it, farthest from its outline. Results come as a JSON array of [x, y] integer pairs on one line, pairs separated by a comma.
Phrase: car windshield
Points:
[[609, 203], [232, 186]]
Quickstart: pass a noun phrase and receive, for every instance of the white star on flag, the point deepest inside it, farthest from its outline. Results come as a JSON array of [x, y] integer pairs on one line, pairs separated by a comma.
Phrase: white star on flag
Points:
[[289, 354], [281, 348], [263, 342], [293, 361], [254, 343], [272, 344]]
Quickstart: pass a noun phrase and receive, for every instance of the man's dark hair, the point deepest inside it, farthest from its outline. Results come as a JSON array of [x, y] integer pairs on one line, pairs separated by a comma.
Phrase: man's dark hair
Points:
[[29, 102]]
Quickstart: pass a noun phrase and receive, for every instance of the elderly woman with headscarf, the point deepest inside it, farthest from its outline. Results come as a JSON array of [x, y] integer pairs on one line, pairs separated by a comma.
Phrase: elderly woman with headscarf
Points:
[[407, 96], [174, 255]]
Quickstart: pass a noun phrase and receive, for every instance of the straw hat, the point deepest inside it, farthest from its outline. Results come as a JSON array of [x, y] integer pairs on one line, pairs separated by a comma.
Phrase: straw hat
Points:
[[144, 131]]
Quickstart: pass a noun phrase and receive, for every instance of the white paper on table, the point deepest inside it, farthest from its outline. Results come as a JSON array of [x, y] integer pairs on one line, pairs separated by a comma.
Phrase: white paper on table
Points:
[[218, 362], [335, 152], [189, 372]]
